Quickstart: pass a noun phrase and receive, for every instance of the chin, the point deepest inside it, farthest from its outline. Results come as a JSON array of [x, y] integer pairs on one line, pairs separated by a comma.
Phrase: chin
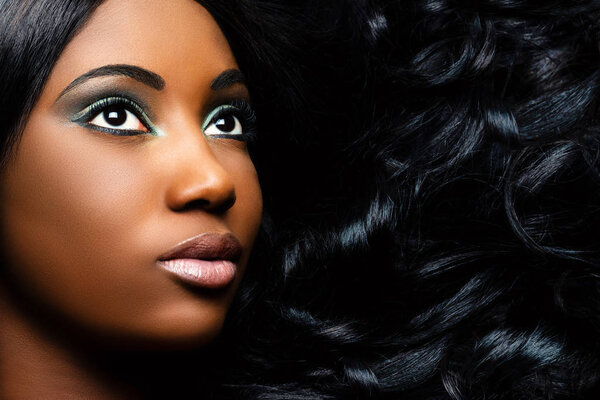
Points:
[[178, 328]]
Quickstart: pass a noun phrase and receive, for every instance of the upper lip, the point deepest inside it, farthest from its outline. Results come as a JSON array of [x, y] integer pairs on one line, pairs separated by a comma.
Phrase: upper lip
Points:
[[207, 246]]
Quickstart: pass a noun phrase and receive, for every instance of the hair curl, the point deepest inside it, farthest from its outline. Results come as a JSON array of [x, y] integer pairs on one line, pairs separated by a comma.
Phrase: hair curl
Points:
[[431, 175]]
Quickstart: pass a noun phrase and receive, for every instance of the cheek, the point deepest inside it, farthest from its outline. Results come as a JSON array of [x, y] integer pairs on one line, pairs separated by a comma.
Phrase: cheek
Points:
[[70, 188], [68, 207]]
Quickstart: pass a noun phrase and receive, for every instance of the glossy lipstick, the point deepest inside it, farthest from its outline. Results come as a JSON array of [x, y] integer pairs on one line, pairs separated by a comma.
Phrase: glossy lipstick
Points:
[[208, 260]]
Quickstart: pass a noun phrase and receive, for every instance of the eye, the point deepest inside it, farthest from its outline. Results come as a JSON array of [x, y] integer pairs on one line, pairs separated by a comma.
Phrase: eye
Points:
[[118, 117], [223, 122]]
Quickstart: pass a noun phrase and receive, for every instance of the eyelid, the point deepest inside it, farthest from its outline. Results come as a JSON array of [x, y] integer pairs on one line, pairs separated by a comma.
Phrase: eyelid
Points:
[[84, 116], [240, 107], [217, 112]]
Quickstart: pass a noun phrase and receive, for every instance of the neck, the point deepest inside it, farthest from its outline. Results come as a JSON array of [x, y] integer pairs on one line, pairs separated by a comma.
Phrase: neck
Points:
[[34, 366]]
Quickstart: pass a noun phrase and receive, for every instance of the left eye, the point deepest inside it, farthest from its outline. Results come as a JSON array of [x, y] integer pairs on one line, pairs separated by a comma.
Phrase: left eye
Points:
[[118, 117], [222, 122]]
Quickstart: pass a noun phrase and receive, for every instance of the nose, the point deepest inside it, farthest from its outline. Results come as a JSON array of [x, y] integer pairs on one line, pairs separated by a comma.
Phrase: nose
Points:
[[200, 182]]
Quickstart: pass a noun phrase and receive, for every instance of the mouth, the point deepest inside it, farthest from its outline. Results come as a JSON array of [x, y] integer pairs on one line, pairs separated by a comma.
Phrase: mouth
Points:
[[209, 260]]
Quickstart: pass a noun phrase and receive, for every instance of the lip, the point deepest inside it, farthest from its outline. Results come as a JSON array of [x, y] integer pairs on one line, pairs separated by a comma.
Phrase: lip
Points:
[[208, 260]]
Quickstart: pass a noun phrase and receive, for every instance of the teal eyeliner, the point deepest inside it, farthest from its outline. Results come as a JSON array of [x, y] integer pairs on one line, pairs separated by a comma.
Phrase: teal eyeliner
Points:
[[84, 116], [240, 109]]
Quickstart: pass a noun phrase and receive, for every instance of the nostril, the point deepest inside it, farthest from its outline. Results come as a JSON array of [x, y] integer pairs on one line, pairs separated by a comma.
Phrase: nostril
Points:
[[225, 205], [217, 207], [198, 204]]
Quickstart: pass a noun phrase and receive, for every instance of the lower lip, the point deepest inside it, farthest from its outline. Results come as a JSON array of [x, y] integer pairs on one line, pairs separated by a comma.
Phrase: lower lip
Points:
[[210, 274]]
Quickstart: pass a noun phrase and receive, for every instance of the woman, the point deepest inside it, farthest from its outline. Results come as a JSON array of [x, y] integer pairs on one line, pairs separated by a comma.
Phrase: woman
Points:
[[437, 208], [129, 201]]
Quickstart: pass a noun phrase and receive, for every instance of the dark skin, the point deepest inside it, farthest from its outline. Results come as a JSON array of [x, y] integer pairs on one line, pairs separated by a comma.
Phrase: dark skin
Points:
[[87, 207]]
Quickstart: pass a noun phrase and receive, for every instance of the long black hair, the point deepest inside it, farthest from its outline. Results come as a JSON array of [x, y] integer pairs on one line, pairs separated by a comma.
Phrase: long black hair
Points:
[[32, 36], [431, 185]]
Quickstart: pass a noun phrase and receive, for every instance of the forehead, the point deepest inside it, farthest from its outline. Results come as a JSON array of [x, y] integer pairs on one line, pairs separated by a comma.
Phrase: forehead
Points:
[[178, 39]]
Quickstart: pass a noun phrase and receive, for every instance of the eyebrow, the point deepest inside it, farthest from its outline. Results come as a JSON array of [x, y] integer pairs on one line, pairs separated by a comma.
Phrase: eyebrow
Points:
[[227, 79], [140, 74]]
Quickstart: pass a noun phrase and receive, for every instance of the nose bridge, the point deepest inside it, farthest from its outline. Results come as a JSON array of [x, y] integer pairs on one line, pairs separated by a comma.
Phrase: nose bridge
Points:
[[198, 180]]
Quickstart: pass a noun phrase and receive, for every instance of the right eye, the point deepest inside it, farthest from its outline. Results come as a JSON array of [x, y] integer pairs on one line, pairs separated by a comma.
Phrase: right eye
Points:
[[117, 116]]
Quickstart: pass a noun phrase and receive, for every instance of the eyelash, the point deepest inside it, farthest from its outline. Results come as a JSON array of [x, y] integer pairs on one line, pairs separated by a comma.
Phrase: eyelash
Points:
[[241, 109], [93, 110]]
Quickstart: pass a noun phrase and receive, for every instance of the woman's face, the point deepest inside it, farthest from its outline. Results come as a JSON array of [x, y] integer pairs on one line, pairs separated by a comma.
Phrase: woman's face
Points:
[[136, 145]]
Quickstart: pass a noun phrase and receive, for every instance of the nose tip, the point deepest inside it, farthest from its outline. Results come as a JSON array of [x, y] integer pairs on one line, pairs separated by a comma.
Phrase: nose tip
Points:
[[205, 185]]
